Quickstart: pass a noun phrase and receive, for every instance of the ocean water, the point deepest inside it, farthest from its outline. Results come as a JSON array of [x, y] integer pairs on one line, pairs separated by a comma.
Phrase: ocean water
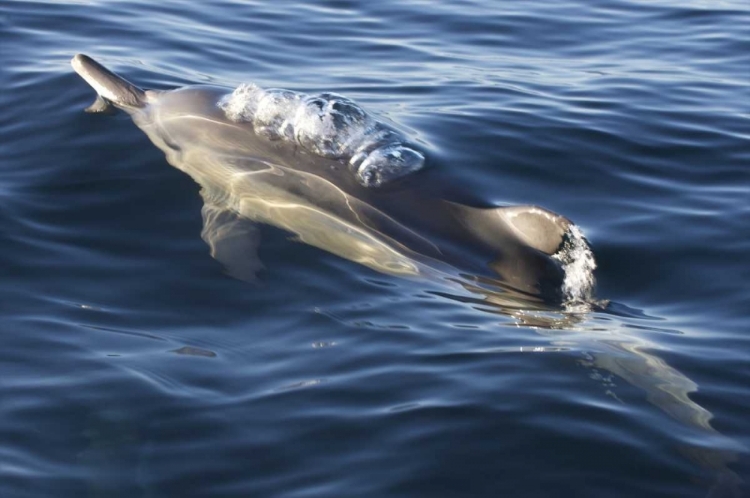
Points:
[[134, 365]]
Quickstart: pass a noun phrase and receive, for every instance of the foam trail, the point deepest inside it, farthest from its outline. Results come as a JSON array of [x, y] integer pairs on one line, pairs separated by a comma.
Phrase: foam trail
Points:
[[578, 263], [328, 125]]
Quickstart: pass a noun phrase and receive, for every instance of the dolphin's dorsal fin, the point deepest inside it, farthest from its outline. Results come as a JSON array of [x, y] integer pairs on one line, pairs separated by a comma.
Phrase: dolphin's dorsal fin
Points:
[[531, 226], [538, 227], [101, 105]]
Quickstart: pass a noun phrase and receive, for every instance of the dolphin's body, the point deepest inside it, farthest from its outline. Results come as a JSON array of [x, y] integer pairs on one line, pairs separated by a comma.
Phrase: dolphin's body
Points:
[[406, 227], [403, 227]]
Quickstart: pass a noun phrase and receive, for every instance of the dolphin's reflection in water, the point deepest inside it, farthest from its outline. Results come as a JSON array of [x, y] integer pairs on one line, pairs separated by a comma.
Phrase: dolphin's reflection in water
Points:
[[619, 350]]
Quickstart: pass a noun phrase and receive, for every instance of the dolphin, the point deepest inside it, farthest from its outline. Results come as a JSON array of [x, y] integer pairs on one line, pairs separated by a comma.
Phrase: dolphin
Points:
[[323, 169], [361, 195]]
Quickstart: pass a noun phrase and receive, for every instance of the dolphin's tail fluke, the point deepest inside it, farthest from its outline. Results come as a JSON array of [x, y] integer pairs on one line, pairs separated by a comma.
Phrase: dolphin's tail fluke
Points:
[[111, 88]]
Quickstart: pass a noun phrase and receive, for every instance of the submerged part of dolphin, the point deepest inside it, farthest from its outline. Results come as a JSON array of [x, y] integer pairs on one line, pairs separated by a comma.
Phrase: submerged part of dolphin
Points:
[[325, 170]]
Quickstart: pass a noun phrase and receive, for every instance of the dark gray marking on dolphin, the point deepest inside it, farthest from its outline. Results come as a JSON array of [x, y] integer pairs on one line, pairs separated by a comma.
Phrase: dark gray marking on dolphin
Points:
[[306, 185]]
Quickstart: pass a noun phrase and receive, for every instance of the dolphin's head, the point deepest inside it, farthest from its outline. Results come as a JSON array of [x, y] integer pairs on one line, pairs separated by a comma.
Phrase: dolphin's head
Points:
[[110, 88]]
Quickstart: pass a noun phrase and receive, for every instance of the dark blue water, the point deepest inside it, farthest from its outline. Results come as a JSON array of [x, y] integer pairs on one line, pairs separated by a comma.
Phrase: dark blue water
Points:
[[133, 365]]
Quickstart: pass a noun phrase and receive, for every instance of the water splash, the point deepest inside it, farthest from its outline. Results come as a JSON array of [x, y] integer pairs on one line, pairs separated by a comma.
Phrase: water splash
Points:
[[328, 125], [578, 263]]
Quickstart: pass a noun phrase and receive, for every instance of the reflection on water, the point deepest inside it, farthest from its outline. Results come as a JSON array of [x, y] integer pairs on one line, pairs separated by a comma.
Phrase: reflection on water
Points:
[[617, 350]]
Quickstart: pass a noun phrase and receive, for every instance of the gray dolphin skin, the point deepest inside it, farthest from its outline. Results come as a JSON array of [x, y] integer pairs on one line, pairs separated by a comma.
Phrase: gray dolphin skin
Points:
[[391, 222], [363, 198]]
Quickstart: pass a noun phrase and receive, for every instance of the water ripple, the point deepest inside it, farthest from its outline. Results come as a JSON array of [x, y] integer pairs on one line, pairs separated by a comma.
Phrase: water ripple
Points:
[[134, 366]]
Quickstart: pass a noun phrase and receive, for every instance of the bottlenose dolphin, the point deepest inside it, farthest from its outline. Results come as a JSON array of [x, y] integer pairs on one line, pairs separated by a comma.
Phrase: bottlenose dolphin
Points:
[[323, 169], [351, 186]]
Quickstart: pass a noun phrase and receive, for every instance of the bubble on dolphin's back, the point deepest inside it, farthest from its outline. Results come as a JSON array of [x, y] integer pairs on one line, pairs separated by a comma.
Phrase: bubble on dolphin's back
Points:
[[328, 125], [578, 263]]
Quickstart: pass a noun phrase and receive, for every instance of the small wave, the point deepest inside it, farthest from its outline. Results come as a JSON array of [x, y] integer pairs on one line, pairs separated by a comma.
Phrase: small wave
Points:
[[578, 263], [328, 125]]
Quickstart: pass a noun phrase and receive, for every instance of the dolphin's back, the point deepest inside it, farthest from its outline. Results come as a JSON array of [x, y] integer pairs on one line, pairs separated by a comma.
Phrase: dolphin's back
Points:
[[276, 182]]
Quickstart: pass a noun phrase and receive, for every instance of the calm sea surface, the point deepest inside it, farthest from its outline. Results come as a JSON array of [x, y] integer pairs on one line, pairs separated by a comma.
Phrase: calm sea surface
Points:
[[132, 365]]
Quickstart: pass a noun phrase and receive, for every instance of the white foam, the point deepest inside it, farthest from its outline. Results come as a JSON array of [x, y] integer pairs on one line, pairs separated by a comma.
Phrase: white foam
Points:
[[328, 125], [578, 263]]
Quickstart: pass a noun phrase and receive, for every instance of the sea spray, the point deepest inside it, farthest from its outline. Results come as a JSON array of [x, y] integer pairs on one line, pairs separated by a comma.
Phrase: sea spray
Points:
[[578, 263], [328, 125]]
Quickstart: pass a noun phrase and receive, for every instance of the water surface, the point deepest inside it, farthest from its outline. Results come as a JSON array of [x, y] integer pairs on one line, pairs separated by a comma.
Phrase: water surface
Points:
[[133, 365]]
